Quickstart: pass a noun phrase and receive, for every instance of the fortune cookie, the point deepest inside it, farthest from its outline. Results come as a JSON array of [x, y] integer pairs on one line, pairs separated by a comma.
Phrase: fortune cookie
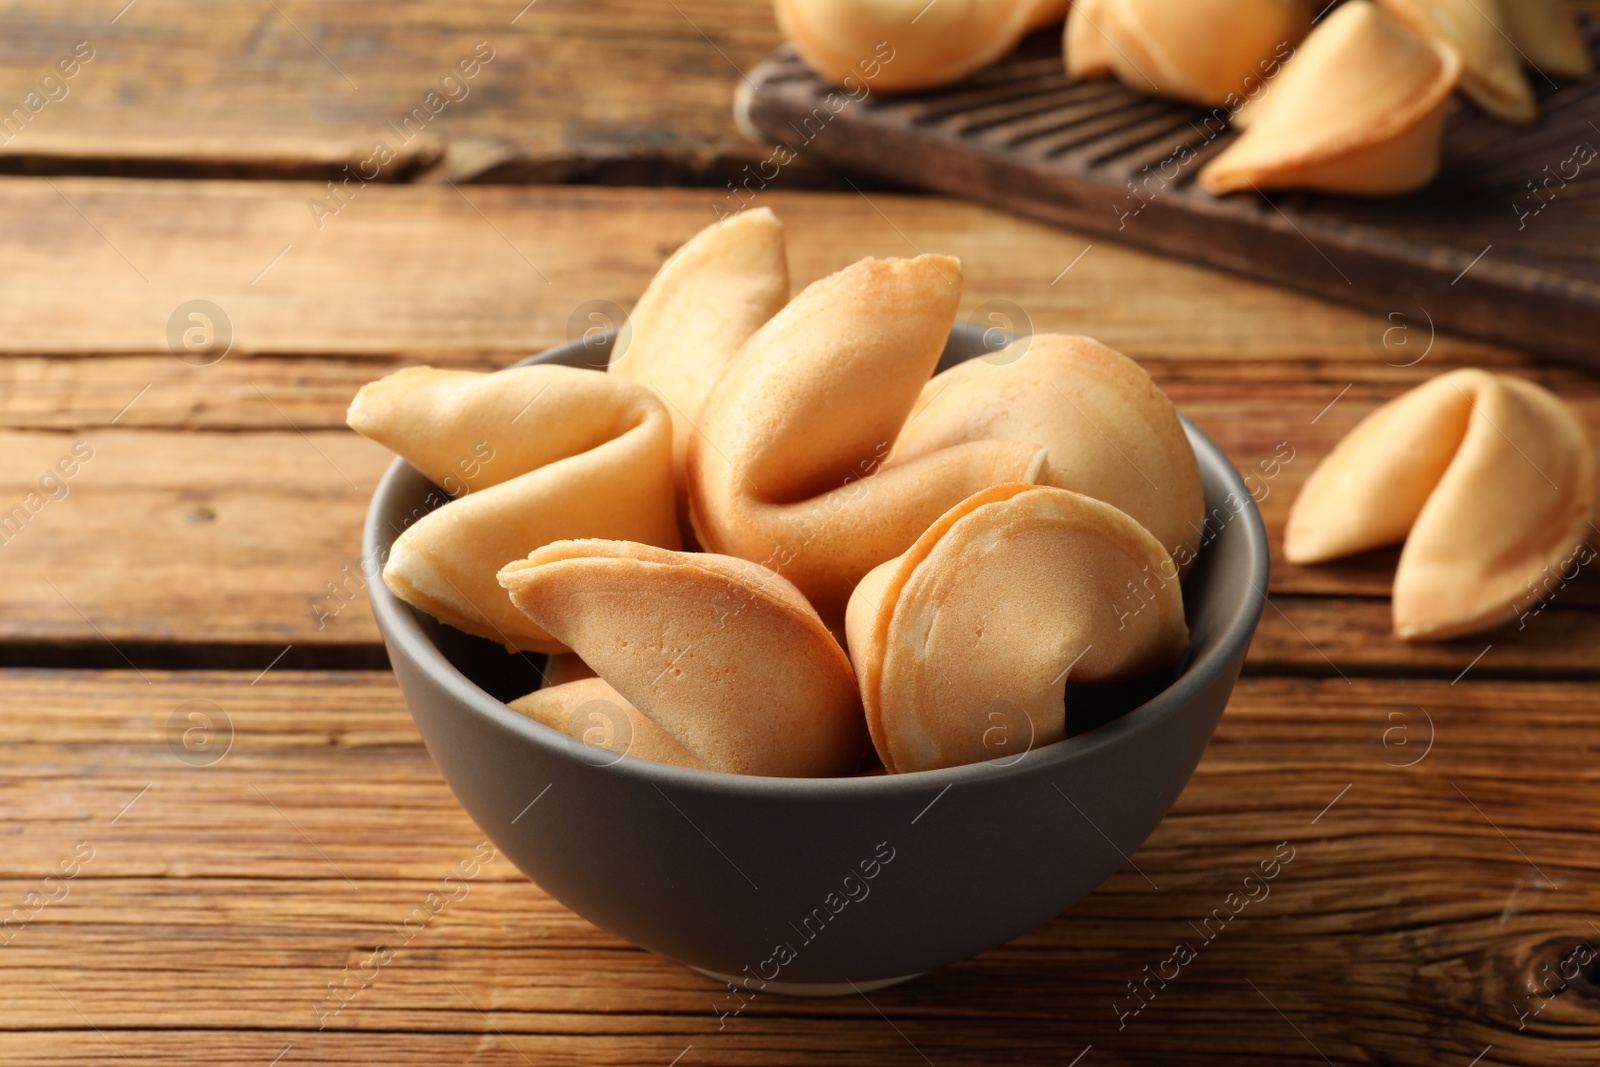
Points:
[[1108, 431], [1489, 480], [724, 656], [786, 469], [900, 45], [1359, 109], [701, 306], [532, 455], [1086, 47], [589, 710], [964, 644], [1209, 52], [1547, 35], [563, 667], [1491, 74], [1047, 11]]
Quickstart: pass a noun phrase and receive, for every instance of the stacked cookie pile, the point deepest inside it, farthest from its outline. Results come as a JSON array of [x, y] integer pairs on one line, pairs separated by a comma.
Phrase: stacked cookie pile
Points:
[[1347, 97], [783, 545], [771, 540]]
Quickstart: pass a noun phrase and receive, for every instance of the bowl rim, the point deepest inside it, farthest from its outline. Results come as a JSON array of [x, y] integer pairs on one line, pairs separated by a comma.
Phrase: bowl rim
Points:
[[402, 632]]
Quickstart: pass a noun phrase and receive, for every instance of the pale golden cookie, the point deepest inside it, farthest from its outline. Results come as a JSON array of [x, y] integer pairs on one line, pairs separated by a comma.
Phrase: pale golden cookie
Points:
[[1489, 480], [533, 455], [1491, 74], [723, 655], [701, 306], [1358, 110], [1548, 38], [1209, 52], [787, 469], [1003, 599], [1108, 431], [896, 45], [589, 710]]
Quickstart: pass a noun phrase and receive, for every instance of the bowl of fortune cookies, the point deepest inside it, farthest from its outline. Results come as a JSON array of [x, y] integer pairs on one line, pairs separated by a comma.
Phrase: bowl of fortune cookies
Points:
[[813, 642]]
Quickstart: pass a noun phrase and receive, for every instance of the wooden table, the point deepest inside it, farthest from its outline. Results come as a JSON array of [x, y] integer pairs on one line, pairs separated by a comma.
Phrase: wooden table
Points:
[[195, 899]]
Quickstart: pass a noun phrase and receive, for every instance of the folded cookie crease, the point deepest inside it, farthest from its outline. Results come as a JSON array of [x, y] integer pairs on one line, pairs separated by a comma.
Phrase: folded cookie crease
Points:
[[1209, 52], [531, 455], [1491, 74], [701, 306], [1107, 430], [901, 45], [1490, 482], [964, 644], [1046, 12], [789, 471], [591, 711], [1359, 110], [727, 659], [1547, 36]]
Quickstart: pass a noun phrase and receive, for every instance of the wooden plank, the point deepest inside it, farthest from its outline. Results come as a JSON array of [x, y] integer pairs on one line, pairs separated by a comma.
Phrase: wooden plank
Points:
[[239, 392], [1108, 159], [1282, 395], [864, 1043], [615, 90], [253, 538], [1348, 637], [1424, 818], [159, 536], [423, 270]]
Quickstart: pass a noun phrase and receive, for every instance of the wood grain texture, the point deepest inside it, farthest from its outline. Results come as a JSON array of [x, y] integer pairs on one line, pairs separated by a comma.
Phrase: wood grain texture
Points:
[[1442, 865], [237, 512], [1105, 158], [616, 90], [225, 898], [425, 270], [1349, 637], [174, 536]]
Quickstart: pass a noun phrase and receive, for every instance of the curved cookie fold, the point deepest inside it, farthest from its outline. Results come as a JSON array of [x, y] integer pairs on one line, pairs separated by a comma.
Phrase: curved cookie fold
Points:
[[724, 656], [1548, 38], [1359, 109], [532, 455], [1490, 481], [978, 626], [901, 45], [563, 667], [1046, 12], [589, 710], [701, 306], [1209, 52], [1491, 74], [1086, 50], [1108, 431], [786, 468]]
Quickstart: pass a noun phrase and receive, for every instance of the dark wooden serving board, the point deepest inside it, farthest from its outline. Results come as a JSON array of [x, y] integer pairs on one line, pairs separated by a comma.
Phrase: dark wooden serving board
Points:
[[1499, 247]]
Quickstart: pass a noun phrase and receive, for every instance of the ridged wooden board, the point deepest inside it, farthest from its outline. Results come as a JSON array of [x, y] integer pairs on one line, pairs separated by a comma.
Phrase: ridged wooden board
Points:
[[1436, 872], [1477, 252]]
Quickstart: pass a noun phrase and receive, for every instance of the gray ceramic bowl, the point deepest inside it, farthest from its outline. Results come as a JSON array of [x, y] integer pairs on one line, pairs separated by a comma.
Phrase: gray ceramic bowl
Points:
[[823, 885]]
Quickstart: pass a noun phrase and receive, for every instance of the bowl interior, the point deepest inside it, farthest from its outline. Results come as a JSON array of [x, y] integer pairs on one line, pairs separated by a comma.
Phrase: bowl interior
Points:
[[1223, 597]]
